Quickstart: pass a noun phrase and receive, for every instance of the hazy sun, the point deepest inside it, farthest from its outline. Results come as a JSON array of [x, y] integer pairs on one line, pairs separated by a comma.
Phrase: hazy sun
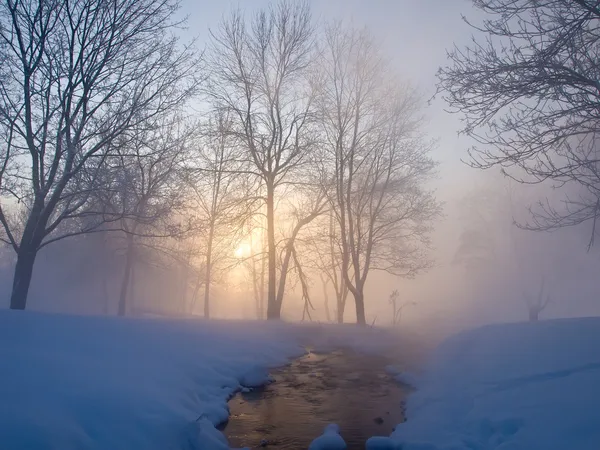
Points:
[[243, 251]]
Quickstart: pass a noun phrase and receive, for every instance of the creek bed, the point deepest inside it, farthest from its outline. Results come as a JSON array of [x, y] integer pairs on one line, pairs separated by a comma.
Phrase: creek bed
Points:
[[347, 388]]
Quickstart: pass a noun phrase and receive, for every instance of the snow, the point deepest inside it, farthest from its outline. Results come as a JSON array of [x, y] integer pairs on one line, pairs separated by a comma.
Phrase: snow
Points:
[[382, 443], [255, 377], [401, 376], [109, 383], [509, 387], [329, 440]]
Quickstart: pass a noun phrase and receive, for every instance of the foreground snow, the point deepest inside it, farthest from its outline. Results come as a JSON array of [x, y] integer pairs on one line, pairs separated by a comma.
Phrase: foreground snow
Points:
[[329, 440], [510, 387], [99, 383], [107, 383]]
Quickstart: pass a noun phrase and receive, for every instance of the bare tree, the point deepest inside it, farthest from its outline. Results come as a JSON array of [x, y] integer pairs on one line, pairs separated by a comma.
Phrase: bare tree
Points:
[[257, 262], [323, 243], [313, 203], [535, 305], [146, 191], [74, 77], [380, 163], [398, 307], [529, 96], [305, 286], [223, 196], [260, 75]]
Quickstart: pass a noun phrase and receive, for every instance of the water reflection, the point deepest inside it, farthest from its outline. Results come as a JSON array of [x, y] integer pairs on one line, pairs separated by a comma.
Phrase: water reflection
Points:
[[346, 388]]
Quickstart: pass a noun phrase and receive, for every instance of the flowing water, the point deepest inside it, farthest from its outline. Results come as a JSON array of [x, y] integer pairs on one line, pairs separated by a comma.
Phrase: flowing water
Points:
[[350, 389]]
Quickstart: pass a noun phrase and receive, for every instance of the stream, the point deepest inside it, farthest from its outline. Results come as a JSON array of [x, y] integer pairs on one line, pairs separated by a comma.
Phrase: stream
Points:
[[350, 389]]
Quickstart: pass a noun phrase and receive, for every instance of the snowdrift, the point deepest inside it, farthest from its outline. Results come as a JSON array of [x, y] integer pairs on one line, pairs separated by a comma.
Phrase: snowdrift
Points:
[[509, 387], [93, 383]]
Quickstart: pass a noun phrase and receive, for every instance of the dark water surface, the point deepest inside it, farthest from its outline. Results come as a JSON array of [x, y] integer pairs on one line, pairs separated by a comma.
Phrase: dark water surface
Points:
[[350, 389]]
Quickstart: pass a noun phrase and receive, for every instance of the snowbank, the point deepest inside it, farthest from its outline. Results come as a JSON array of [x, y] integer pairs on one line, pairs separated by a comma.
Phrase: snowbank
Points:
[[105, 383], [510, 387], [329, 440]]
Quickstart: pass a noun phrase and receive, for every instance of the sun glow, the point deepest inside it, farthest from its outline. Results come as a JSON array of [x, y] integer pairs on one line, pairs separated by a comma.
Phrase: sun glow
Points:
[[243, 251]]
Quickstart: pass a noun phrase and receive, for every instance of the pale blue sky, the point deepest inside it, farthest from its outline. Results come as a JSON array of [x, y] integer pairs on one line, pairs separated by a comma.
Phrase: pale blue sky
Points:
[[414, 33]]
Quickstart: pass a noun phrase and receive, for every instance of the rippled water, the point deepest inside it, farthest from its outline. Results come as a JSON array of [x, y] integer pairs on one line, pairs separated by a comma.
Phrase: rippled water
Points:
[[346, 388]]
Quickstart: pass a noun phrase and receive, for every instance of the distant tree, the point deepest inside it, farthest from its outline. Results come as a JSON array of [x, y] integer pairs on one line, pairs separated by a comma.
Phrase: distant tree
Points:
[[259, 73], [379, 161], [537, 304], [323, 243], [257, 262], [223, 196], [529, 96], [485, 217], [146, 190], [398, 307], [74, 77]]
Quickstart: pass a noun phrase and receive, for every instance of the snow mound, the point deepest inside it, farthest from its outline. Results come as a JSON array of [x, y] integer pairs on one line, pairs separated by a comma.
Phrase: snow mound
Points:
[[402, 376], [329, 440], [255, 377], [382, 443], [512, 386], [100, 383]]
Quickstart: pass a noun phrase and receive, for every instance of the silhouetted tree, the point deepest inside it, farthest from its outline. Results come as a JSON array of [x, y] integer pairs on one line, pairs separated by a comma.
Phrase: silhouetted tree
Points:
[[223, 197], [380, 163], [74, 77], [146, 190], [529, 96], [398, 307], [535, 305], [259, 73]]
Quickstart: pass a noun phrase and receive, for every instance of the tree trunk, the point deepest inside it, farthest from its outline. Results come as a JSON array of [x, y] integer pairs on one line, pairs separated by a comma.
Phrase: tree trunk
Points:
[[285, 265], [195, 293], [325, 298], [22, 277], [28, 248], [131, 304], [359, 299], [207, 291], [126, 276], [263, 271], [273, 308], [184, 287], [255, 287], [341, 297], [340, 312], [105, 294], [211, 235], [534, 314]]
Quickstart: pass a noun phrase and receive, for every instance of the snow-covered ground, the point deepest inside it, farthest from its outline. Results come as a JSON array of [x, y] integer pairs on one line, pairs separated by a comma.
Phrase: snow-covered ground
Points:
[[524, 386], [70, 382], [106, 383], [100, 383]]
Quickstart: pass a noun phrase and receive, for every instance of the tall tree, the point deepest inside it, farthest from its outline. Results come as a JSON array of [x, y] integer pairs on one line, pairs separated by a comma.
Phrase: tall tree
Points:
[[379, 160], [529, 96], [223, 196], [324, 244], [260, 74], [74, 77], [145, 190]]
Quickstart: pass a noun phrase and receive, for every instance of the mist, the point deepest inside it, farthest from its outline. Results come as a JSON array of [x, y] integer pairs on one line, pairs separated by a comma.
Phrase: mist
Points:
[[478, 262]]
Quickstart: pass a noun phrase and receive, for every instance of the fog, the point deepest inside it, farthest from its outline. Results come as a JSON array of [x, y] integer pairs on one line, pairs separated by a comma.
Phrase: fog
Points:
[[485, 265]]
